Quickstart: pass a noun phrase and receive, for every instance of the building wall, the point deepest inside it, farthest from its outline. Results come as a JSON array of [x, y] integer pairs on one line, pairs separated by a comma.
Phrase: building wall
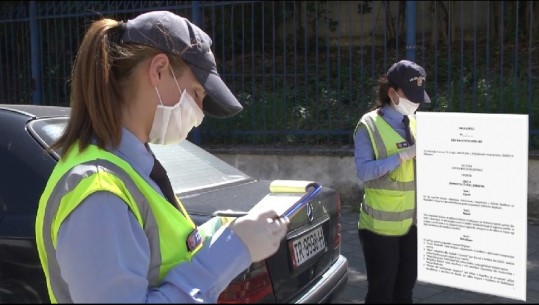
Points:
[[337, 171]]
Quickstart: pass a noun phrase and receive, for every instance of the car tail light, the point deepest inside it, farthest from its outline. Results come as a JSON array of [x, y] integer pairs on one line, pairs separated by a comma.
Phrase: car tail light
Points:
[[250, 286], [337, 239]]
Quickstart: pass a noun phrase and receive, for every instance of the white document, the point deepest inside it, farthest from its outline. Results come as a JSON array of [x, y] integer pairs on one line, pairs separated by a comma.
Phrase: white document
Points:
[[472, 179]]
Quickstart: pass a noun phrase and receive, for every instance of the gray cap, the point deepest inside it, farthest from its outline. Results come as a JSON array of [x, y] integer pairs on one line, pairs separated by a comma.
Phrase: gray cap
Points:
[[410, 77], [177, 35]]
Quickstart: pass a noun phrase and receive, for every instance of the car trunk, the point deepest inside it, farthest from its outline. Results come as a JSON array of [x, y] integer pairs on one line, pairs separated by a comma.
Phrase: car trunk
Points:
[[300, 260], [301, 251]]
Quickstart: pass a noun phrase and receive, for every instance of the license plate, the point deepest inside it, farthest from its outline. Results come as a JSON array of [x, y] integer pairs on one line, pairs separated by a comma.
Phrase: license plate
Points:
[[306, 246]]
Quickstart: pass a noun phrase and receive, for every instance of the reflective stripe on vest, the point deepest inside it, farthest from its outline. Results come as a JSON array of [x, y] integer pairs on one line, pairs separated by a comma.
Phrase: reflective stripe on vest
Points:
[[93, 170], [389, 201]]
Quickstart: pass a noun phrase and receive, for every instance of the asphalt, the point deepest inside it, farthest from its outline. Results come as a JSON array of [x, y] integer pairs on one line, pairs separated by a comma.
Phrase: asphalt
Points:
[[356, 288]]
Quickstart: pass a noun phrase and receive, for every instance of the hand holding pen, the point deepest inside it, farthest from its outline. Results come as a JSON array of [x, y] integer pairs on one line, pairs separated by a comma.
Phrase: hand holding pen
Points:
[[261, 229]]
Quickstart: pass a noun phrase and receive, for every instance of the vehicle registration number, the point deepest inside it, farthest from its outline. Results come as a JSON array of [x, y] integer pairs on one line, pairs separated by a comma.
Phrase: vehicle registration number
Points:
[[307, 246]]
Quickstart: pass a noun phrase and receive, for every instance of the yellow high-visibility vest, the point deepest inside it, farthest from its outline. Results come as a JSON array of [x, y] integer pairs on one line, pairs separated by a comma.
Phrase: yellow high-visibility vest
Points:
[[80, 174], [388, 205]]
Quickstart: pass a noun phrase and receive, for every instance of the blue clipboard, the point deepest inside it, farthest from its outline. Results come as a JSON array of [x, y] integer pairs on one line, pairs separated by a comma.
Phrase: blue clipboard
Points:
[[311, 190]]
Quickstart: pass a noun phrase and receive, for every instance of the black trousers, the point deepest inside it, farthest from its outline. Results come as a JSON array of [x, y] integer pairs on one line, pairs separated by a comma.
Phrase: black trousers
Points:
[[391, 263]]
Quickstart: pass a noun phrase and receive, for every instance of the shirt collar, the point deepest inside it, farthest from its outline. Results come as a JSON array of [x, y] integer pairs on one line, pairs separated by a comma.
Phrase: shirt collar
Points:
[[391, 114], [132, 150]]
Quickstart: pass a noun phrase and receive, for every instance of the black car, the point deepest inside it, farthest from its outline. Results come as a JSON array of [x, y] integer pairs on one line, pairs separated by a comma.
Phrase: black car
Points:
[[204, 184]]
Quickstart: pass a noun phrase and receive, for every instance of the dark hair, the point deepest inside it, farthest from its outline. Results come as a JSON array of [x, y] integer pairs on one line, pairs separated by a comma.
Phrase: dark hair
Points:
[[383, 87], [101, 71]]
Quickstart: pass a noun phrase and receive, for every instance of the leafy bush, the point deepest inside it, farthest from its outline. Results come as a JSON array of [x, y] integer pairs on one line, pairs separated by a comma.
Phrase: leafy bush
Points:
[[317, 97]]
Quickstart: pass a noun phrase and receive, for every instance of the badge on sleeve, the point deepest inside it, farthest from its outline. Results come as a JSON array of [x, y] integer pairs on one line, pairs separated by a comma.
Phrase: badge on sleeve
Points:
[[402, 145], [194, 240]]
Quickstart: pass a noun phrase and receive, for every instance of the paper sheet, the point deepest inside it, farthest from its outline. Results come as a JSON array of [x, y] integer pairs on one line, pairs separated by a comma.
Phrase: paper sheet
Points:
[[471, 173]]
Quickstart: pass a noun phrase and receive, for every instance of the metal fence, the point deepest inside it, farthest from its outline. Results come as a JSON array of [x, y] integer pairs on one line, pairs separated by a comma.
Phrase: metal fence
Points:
[[304, 70]]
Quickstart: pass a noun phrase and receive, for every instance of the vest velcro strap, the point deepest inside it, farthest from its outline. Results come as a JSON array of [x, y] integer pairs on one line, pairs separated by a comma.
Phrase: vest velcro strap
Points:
[[387, 216]]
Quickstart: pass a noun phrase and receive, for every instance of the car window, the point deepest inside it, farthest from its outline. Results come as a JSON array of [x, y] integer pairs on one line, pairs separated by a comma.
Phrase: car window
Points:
[[189, 167]]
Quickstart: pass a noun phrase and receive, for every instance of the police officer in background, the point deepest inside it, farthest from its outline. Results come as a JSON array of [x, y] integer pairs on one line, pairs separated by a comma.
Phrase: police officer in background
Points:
[[384, 155]]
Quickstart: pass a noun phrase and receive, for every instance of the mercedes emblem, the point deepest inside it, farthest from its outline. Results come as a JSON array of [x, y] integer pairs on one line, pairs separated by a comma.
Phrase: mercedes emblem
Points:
[[310, 212]]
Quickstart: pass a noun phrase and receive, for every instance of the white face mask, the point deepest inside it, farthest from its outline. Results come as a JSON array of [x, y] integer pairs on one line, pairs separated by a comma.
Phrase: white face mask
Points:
[[171, 124], [405, 106]]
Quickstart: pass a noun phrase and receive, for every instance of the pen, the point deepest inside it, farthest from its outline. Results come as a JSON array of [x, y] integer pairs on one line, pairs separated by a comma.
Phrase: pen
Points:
[[229, 213]]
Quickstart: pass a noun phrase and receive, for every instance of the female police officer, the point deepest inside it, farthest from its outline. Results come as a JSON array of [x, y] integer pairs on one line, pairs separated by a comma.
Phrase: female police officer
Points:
[[107, 229], [384, 156]]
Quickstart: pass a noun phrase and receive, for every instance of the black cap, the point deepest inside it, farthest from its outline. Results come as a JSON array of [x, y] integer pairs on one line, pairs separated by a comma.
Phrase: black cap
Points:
[[177, 35], [410, 77]]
